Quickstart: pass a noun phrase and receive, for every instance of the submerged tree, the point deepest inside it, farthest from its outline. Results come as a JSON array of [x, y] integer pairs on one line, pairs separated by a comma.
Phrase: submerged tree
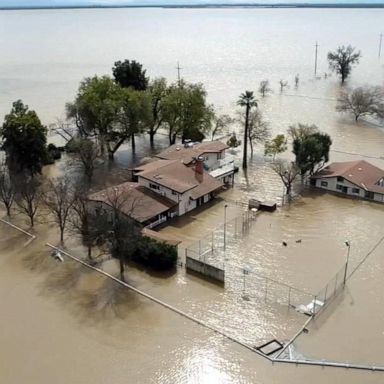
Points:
[[96, 109], [264, 88], [362, 101], [186, 113], [220, 124], [134, 116], [7, 190], [83, 221], [283, 84], [59, 198], [288, 172], [157, 90], [300, 131], [28, 196], [275, 146], [86, 153], [342, 59], [24, 140], [130, 74], [312, 152], [247, 100]]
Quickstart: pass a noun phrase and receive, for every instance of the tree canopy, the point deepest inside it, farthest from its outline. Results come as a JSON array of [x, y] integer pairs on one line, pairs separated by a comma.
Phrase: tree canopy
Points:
[[130, 74], [312, 152], [276, 146], [342, 59], [24, 140]]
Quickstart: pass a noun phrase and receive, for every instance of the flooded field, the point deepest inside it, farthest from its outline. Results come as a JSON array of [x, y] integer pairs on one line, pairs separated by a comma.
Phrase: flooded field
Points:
[[62, 323]]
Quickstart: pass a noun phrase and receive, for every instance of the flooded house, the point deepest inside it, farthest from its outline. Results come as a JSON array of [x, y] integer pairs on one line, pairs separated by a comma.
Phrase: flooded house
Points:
[[162, 189], [216, 161], [352, 178]]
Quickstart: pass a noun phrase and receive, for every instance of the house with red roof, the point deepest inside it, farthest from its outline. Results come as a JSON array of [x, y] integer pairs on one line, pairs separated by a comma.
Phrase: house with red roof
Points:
[[352, 178]]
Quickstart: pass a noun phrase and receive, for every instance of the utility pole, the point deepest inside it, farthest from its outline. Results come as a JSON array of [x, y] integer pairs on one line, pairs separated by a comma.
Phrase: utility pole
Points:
[[381, 40], [316, 47], [178, 73]]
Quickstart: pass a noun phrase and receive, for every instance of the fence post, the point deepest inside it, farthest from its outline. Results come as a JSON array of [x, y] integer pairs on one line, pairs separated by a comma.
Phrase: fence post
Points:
[[212, 243], [199, 248]]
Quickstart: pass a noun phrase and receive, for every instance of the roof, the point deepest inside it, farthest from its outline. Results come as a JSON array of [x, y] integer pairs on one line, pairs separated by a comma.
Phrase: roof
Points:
[[161, 237], [360, 173], [186, 153], [138, 202], [176, 176]]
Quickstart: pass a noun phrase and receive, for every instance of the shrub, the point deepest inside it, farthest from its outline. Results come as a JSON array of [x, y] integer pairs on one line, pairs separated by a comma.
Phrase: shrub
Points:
[[159, 256]]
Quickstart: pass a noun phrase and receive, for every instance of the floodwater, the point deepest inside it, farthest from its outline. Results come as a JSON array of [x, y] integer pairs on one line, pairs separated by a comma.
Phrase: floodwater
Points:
[[66, 324]]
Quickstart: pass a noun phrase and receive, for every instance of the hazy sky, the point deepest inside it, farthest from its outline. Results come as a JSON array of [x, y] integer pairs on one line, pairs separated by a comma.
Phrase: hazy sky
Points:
[[143, 2]]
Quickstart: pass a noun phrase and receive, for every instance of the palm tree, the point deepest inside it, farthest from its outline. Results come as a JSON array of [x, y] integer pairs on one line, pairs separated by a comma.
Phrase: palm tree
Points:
[[247, 100]]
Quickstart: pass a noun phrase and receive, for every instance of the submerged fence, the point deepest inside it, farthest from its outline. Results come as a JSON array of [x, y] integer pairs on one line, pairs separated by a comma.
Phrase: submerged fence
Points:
[[213, 249]]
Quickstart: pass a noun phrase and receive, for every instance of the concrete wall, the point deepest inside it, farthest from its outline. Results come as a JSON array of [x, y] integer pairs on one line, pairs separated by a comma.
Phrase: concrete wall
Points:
[[205, 269], [332, 184]]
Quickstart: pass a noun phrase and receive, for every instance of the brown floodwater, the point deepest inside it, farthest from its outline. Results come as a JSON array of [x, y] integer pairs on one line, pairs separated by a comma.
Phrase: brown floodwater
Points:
[[62, 323]]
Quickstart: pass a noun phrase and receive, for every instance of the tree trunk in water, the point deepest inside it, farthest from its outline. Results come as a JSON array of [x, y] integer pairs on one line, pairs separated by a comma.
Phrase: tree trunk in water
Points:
[[62, 235], [251, 144], [152, 138], [245, 154], [111, 155], [8, 210], [32, 221], [133, 143], [121, 268], [89, 252]]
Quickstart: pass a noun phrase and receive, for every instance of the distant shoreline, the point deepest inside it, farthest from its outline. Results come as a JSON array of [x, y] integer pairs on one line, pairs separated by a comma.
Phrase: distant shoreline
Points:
[[218, 5]]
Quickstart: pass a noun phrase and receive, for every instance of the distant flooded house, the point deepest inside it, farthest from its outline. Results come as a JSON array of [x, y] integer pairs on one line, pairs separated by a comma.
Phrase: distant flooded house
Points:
[[160, 190], [353, 178], [216, 161]]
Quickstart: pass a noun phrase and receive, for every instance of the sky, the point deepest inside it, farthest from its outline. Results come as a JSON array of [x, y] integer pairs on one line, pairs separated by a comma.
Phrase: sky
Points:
[[17, 3]]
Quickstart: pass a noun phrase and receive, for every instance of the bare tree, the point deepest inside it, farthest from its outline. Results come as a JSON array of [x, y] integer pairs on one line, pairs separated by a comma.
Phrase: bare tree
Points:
[[283, 84], [362, 102], [83, 221], [219, 124], [28, 197], [7, 190], [288, 172], [87, 154], [342, 59], [300, 131], [258, 129], [59, 199], [297, 80], [264, 88], [125, 232]]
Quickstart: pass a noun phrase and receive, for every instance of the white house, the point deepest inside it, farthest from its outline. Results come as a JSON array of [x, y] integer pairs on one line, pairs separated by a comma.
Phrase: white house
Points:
[[353, 178], [161, 189], [213, 153]]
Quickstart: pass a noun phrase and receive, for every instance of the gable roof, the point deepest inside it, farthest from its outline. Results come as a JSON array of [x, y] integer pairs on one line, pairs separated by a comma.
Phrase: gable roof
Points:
[[187, 153], [140, 203], [360, 173], [176, 176]]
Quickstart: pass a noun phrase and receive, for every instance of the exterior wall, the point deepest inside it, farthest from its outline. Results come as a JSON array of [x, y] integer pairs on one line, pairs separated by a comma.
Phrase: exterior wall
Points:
[[205, 269], [211, 159], [352, 189], [163, 191]]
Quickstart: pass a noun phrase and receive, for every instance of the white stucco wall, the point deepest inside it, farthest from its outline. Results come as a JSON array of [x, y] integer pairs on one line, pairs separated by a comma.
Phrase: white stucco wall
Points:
[[332, 186]]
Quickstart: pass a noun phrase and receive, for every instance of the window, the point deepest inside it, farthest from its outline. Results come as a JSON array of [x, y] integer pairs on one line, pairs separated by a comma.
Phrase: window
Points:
[[153, 186], [355, 190], [324, 183], [369, 195], [339, 187], [174, 193], [340, 179]]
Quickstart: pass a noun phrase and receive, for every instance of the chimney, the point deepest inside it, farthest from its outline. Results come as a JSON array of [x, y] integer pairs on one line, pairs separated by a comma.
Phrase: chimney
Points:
[[199, 165]]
